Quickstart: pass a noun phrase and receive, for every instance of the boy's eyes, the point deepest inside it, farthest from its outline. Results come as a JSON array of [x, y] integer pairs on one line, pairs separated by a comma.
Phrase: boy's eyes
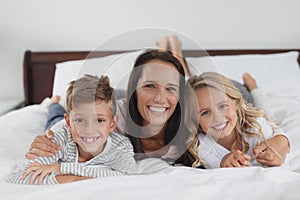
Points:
[[81, 121], [101, 120]]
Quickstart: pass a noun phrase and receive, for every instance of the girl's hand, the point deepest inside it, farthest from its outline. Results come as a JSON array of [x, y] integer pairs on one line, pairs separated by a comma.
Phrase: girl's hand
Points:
[[235, 159], [43, 146], [274, 154], [40, 170]]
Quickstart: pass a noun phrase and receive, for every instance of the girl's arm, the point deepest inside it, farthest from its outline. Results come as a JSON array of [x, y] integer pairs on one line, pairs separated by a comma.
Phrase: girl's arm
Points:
[[273, 151], [274, 156]]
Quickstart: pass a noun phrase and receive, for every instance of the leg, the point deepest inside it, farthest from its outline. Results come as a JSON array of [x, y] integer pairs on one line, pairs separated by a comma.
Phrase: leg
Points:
[[176, 49], [249, 82], [55, 113], [163, 43]]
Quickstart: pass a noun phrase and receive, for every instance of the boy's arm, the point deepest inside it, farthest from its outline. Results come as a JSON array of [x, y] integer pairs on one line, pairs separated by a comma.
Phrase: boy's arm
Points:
[[18, 178], [119, 160]]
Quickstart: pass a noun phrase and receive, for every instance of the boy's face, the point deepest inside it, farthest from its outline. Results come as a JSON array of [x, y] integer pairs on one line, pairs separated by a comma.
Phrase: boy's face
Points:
[[90, 125]]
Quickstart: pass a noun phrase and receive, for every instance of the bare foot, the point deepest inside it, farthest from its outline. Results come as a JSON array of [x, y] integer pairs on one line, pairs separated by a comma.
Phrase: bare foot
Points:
[[176, 49], [54, 99], [175, 45], [249, 81], [163, 43]]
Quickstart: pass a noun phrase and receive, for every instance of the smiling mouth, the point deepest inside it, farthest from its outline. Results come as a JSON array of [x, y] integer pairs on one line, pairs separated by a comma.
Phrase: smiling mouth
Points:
[[90, 140], [220, 126], [157, 109]]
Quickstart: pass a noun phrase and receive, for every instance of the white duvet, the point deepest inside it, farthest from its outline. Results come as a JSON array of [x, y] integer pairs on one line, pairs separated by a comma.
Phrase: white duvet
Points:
[[18, 128]]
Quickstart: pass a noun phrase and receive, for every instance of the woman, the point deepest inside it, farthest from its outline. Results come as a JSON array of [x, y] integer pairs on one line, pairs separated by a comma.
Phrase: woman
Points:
[[153, 118]]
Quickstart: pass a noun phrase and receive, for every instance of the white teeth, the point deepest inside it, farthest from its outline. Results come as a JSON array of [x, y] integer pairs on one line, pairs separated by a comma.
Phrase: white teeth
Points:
[[89, 139], [220, 127], [157, 109]]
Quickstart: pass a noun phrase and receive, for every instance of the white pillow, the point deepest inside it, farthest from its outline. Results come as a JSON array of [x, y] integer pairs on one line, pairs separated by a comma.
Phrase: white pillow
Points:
[[273, 72], [117, 67]]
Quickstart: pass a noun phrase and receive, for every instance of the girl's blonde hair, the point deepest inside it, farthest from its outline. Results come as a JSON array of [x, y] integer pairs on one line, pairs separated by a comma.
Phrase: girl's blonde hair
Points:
[[247, 124], [191, 123]]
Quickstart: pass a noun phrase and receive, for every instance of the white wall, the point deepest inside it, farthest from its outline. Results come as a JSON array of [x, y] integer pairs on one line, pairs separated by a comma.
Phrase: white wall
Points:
[[51, 25]]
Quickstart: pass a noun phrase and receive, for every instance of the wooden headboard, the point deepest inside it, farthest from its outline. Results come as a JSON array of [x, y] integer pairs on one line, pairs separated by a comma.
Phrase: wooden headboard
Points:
[[39, 67]]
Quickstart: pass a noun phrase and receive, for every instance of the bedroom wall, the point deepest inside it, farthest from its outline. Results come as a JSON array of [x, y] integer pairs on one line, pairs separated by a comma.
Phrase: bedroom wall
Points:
[[82, 25]]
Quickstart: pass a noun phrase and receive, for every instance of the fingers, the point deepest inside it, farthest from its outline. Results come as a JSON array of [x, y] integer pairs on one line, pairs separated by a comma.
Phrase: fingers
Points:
[[34, 167], [42, 146], [236, 159], [49, 134], [242, 159], [37, 170], [37, 152], [268, 158], [30, 155], [259, 149]]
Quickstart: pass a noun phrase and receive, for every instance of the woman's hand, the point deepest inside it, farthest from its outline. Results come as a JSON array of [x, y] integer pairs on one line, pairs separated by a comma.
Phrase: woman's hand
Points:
[[235, 159], [40, 170], [43, 146], [266, 155]]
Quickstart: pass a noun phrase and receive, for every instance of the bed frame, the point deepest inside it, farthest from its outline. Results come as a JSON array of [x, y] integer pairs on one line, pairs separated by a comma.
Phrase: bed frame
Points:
[[39, 67]]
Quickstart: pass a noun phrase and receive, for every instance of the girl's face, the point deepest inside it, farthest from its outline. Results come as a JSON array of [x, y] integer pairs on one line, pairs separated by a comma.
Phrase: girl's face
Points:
[[90, 125], [157, 92], [217, 113]]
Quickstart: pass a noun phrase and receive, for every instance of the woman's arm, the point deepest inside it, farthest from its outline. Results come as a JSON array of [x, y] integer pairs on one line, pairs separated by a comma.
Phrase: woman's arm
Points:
[[43, 144]]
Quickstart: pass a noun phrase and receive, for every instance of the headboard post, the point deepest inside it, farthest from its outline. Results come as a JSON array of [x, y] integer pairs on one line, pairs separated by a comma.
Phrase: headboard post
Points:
[[26, 77]]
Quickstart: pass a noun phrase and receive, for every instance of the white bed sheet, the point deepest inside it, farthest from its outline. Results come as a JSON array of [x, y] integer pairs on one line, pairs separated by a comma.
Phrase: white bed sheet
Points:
[[18, 128]]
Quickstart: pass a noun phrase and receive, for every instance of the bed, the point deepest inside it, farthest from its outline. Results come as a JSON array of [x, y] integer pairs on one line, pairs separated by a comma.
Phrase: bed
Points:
[[272, 69]]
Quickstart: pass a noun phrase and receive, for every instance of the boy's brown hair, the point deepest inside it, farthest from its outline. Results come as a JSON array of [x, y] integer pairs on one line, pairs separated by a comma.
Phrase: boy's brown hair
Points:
[[89, 89]]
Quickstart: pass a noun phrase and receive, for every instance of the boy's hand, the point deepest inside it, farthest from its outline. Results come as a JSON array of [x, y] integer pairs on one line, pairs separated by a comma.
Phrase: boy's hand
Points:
[[266, 156], [40, 170], [235, 159]]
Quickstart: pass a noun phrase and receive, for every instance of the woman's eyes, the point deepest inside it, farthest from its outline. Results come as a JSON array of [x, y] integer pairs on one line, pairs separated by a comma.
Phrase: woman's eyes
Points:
[[204, 113], [172, 89], [153, 86], [149, 86]]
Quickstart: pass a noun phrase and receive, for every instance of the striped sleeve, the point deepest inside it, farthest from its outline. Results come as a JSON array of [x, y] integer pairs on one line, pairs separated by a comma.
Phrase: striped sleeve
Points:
[[16, 176], [121, 155], [88, 171], [116, 159]]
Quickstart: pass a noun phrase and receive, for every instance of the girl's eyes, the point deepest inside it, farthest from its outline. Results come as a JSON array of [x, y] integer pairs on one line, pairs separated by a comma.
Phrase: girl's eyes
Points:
[[223, 106]]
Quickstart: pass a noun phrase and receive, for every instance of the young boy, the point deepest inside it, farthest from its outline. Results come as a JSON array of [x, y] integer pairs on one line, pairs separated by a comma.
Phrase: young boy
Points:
[[90, 148]]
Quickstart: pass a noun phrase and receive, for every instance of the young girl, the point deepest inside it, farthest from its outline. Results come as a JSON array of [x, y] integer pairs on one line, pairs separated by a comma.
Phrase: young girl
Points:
[[232, 132]]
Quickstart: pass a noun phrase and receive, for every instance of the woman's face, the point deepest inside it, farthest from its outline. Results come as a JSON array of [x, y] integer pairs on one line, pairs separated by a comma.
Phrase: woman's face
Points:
[[157, 92], [217, 113]]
